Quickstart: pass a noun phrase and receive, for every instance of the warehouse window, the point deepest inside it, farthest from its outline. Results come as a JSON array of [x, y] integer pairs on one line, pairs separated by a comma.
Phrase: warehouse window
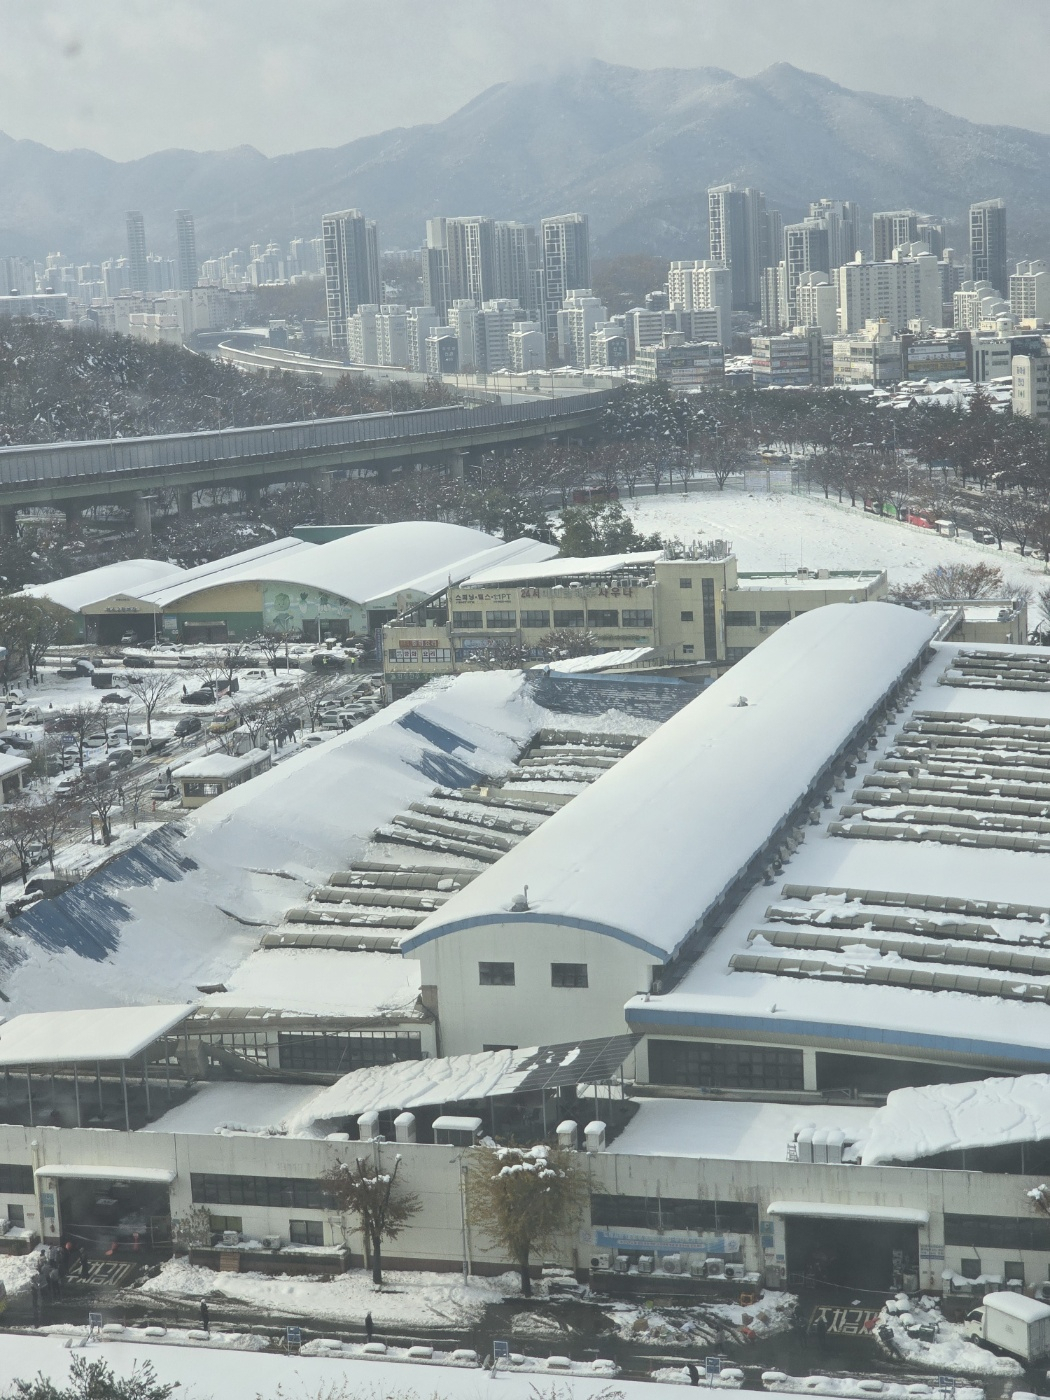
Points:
[[306, 1232], [707, 586], [737, 653], [708, 1065], [568, 974], [568, 617], [535, 619], [603, 617], [211, 1189], [637, 617], [687, 617], [740, 619], [685, 583], [16, 1180], [774, 619], [1006, 1232], [501, 618], [219, 1224], [495, 974], [674, 1213], [466, 619]]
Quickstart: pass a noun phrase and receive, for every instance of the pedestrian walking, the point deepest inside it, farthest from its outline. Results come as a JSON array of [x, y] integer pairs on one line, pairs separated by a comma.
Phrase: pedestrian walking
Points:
[[35, 1293], [204, 1315], [369, 1327], [694, 1374]]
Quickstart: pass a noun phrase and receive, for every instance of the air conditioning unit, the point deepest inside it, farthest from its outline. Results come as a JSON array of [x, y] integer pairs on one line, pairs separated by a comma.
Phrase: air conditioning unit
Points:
[[271, 1242], [599, 1261], [621, 1264], [714, 1268], [645, 1263], [230, 1238], [698, 1268], [671, 1263], [734, 1271]]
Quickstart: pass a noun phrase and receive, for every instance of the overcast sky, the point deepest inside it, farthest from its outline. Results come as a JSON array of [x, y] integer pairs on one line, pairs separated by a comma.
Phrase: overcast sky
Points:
[[126, 77]]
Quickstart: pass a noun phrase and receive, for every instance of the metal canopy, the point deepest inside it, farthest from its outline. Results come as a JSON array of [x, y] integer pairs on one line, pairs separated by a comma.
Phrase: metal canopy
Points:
[[577, 1062]]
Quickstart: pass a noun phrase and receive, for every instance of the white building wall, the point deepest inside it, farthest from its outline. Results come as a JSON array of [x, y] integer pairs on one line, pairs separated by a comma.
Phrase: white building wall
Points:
[[531, 1012]]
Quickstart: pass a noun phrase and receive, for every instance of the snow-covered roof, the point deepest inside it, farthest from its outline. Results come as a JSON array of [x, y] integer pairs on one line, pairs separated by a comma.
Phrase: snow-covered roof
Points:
[[104, 1034], [176, 583], [601, 661], [878, 993], [220, 765], [78, 591], [322, 982], [12, 763], [596, 565], [372, 563], [235, 1107], [1017, 1305], [185, 906], [656, 841], [515, 552], [737, 1131], [938, 1118]]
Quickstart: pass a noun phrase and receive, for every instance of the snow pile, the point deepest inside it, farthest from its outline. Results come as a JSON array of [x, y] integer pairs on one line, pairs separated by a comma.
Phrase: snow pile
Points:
[[936, 1118], [754, 1132], [729, 1378], [952, 1350], [234, 1108], [167, 1336], [709, 1324], [858, 1388], [579, 665], [427, 1299]]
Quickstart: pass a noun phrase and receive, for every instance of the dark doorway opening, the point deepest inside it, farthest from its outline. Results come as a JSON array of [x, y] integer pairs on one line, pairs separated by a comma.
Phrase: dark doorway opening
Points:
[[115, 1216], [858, 1255]]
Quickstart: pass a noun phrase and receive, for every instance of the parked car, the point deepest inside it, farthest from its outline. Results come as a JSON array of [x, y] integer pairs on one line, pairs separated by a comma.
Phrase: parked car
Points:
[[114, 697], [189, 724], [224, 723], [204, 696], [66, 787], [95, 741], [163, 792], [144, 743], [983, 535], [120, 759]]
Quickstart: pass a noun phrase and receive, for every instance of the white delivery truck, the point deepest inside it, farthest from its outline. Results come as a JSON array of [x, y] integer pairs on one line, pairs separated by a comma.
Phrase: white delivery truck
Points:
[[1012, 1323]]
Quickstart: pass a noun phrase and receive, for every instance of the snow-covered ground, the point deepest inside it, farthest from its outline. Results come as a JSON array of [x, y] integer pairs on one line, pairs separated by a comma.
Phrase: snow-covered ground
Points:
[[424, 1299], [860, 1388], [780, 531], [951, 1352]]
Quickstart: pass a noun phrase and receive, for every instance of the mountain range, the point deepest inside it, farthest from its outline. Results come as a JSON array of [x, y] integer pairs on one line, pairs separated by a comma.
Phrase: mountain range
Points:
[[634, 148]]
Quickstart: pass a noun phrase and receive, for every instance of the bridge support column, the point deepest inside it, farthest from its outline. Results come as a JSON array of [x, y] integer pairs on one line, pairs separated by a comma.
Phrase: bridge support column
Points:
[[252, 493], [73, 514], [141, 519], [184, 501], [8, 521]]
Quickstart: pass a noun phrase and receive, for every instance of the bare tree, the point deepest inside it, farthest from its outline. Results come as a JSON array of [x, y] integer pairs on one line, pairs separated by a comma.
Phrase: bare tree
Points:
[[380, 1203], [102, 795], [51, 817], [149, 688], [17, 835], [272, 643], [524, 1199], [82, 721]]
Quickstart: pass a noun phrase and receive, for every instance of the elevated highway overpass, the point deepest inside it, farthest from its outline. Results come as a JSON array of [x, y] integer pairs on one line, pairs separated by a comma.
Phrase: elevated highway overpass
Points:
[[73, 475]]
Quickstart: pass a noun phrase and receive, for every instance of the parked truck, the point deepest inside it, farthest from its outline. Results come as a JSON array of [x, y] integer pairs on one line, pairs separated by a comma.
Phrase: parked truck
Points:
[[1012, 1323]]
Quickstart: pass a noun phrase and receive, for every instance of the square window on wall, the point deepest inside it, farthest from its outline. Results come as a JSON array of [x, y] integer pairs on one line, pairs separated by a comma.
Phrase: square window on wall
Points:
[[687, 617], [309, 1232], [495, 974], [568, 974]]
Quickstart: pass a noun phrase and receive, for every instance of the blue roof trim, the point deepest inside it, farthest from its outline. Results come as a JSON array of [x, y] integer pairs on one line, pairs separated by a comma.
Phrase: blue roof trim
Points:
[[409, 945], [651, 1016]]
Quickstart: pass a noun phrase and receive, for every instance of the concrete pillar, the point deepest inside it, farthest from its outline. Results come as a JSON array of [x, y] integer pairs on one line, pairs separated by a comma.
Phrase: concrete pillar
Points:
[[9, 521], [184, 500], [73, 513], [140, 515], [252, 492]]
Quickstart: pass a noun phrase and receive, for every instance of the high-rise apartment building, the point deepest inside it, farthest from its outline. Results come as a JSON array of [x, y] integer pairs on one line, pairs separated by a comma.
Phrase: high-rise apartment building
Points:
[[842, 218], [906, 288], [351, 270], [740, 231], [1030, 291], [581, 314], [891, 228], [816, 303], [421, 320], [565, 241], [776, 313], [517, 263], [471, 248], [435, 278], [392, 346], [806, 249], [703, 285], [362, 340], [186, 266], [138, 271], [988, 244]]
